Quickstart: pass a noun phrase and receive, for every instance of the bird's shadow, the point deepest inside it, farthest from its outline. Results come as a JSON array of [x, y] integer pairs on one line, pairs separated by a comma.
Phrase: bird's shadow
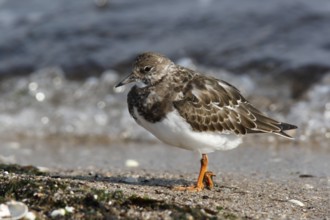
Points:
[[122, 179]]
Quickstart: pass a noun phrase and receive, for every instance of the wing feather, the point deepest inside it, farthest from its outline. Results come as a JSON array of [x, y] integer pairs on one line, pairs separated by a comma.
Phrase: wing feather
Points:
[[209, 104]]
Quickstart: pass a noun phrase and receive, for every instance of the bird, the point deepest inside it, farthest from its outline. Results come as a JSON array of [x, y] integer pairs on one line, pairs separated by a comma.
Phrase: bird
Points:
[[190, 110]]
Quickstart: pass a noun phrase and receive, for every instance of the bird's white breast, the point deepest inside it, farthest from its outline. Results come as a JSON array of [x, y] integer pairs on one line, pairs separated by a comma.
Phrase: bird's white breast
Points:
[[174, 130]]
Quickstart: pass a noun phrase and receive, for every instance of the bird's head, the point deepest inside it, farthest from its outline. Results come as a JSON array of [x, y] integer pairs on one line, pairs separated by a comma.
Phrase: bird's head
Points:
[[148, 68]]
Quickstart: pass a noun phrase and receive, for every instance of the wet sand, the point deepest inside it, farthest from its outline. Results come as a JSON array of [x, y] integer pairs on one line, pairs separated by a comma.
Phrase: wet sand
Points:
[[269, 156]]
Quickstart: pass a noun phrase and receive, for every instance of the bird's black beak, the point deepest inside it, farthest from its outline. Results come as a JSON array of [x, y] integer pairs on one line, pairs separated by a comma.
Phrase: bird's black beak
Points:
[[128, 79]]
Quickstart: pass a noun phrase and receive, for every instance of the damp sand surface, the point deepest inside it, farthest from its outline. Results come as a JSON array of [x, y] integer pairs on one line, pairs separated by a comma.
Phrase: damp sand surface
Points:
[[287, 180]]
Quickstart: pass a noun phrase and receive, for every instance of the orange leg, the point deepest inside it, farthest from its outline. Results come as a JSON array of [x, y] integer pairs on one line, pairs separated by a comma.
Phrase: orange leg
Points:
[[204, 178]]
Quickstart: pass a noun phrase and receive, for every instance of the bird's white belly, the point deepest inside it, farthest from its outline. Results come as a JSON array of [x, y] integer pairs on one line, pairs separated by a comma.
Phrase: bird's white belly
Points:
[[174, 130]]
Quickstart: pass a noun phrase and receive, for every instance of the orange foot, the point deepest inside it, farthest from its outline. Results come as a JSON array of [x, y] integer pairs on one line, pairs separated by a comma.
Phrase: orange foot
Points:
[[205, 178], [208, 179]]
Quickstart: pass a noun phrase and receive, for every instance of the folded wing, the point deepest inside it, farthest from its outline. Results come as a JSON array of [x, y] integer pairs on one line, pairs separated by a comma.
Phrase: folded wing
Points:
[[208, 104]]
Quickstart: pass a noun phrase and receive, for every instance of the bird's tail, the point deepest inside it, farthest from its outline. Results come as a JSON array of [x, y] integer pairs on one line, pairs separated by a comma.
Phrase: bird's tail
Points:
[[284, 127]]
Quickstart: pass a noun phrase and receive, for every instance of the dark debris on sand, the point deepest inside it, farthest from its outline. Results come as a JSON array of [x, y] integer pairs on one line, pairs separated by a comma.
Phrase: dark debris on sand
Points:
[[142, 195]]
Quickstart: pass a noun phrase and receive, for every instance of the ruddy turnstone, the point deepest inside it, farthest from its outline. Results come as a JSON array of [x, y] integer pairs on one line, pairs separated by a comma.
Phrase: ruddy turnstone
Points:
[[187, 109]]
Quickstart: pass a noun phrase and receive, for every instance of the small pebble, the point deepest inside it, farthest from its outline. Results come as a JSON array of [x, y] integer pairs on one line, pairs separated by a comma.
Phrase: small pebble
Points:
[[131, 163], [4, 211], [297, 202], [130, 180], [308, 186], [69, 209], [43, 169], [30, 216], [57, 212]]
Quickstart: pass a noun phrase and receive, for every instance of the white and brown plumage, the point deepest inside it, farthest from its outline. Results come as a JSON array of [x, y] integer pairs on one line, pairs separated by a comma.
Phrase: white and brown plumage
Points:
[[186, 109]]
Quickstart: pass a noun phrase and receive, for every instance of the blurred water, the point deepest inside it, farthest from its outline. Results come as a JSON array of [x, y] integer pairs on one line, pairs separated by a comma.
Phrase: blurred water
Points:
[[46, 104], [84, 38], [313, 113]]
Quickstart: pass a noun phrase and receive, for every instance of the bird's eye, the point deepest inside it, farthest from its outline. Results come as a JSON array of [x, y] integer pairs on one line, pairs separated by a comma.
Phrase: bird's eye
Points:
[[147, 68]]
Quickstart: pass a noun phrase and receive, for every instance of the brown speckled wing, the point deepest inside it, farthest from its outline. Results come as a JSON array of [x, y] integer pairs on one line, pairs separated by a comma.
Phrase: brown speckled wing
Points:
[[209, 104]]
